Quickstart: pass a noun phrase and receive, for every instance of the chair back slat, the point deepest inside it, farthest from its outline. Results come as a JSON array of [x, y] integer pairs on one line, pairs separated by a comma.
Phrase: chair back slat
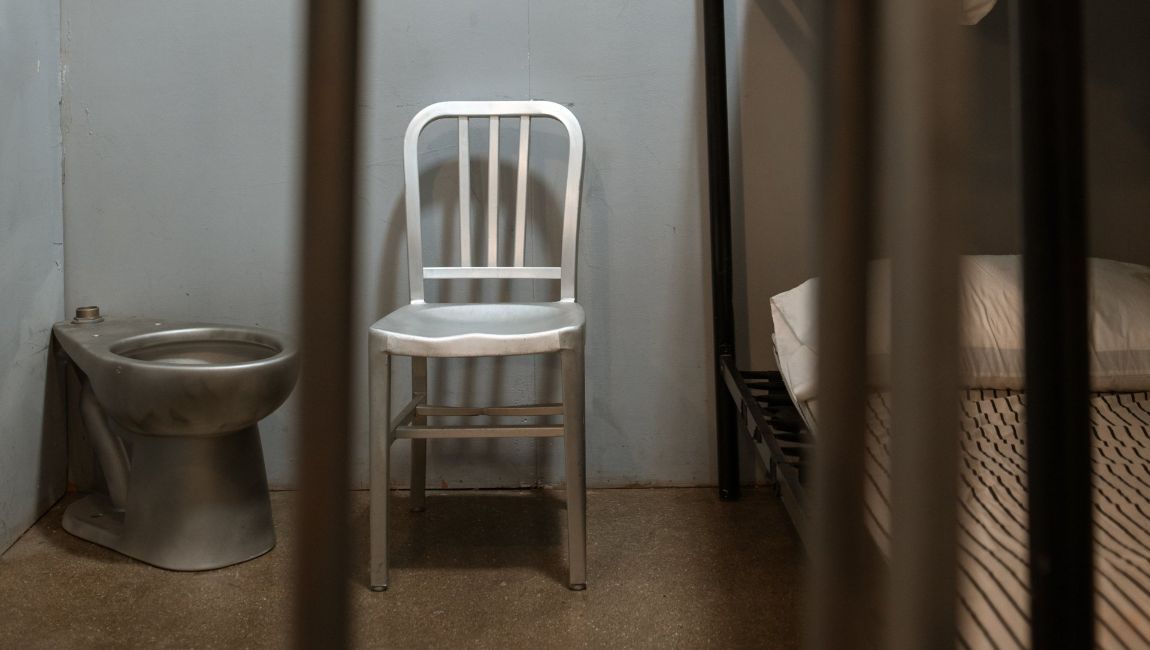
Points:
[[521, 190], [494, 111], [493, 194], [489, 272], [464, 193]]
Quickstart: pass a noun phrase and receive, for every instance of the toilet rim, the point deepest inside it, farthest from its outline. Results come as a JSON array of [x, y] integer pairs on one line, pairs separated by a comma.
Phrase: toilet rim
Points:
[[105, 343], [278, 346]]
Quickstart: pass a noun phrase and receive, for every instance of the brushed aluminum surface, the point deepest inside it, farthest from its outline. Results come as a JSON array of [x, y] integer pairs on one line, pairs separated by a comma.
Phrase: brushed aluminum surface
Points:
[[421, 330], [187, 487], [178, 379]]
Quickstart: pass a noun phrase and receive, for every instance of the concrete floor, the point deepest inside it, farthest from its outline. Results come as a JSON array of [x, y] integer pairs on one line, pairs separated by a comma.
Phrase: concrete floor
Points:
[[668, 568]]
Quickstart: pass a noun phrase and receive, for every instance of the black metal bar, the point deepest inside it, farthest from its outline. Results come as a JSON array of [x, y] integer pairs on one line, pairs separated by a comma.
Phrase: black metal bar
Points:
[[1049, 65], [328, 289], [842, 571], [722, 302]]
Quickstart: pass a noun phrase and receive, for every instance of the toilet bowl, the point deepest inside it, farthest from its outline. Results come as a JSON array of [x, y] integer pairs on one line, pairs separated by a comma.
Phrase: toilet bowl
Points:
[[171, 411]]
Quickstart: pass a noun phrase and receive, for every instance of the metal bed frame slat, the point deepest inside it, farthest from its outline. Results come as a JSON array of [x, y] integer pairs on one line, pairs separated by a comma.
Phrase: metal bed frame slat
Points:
[[775, 447]]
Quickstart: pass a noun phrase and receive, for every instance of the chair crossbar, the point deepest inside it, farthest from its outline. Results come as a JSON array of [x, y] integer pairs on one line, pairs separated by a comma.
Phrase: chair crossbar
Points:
[[472, 250], [409, 410], [511, 431], [493, 194], [474, 411], [521, 191], [492, 272]]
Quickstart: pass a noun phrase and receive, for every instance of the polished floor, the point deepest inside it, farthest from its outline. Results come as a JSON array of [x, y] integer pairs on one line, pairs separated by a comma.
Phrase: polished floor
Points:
[[668, 568]]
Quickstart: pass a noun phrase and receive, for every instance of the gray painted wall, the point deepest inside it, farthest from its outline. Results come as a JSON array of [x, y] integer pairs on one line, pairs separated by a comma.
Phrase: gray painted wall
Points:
[[179, 124], [179, 133], [1118, 133], [32, 453], [180, 119]]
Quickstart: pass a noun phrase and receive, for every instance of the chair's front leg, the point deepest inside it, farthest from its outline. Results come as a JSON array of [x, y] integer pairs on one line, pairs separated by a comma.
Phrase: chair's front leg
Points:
[[418, 445], [379, 434], [575, 464]]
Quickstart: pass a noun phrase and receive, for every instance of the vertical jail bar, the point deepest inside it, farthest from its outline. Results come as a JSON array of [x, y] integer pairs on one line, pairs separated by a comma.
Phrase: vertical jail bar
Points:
[[840, 584], [722, 305], [464, 194], [493, 194], [923, 75], [521, 190], [1048, 43], [329, 171]]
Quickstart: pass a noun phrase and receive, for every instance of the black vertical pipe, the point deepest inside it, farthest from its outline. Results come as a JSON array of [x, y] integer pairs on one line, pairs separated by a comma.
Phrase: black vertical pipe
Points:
[[722, 301], [1050, 118], [328, 289]]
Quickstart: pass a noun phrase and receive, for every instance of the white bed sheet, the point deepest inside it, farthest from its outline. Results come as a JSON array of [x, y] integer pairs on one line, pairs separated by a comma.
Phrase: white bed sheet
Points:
[[992, 353]]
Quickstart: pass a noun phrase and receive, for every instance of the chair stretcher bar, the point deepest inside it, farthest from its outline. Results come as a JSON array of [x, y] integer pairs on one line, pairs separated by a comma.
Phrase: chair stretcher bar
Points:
[[846, 205], [416, 408], [493, 411], [408, 412], [329, 210], [511, 431]]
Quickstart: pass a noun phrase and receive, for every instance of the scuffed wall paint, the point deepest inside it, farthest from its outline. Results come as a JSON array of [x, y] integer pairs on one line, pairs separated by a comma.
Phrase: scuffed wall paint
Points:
[[31, 253]]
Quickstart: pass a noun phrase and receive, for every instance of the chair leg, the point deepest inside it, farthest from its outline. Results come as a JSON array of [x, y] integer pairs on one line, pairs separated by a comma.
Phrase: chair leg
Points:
[[575, 462], [418, 445], [379, 433]]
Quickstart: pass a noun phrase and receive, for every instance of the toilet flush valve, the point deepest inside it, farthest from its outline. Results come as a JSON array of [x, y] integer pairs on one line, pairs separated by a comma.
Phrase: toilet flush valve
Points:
[[86, 315]]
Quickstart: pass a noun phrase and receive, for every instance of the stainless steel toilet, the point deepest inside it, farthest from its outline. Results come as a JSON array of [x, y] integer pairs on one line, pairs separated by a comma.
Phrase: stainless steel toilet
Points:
[[171, 409]]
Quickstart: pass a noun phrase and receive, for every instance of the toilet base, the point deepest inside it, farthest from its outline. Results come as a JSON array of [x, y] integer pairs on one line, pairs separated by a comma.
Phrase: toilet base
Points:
[[194, 503]]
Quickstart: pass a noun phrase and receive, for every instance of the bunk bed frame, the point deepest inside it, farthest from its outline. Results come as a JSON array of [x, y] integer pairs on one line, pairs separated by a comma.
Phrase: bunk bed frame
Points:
[[757, 402], [1047, 43]]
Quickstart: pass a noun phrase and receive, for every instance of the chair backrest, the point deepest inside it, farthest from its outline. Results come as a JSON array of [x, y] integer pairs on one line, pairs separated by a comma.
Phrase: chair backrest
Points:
[[469, 269]]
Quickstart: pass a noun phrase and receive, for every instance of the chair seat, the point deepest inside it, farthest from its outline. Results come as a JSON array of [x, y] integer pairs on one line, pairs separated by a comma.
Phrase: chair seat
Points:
[[479, 330]]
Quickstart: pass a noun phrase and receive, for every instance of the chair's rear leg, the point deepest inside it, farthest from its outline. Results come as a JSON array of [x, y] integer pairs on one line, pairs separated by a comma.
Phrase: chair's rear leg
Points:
[[418, 473], [379, 434], [418, 445], [574, 459]]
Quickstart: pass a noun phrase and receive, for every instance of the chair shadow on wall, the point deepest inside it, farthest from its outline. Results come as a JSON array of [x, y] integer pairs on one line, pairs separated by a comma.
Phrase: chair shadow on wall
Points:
[[475, 530]]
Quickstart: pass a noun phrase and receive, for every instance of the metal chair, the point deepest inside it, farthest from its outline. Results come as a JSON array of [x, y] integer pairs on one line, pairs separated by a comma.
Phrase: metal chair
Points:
[[420, 329]]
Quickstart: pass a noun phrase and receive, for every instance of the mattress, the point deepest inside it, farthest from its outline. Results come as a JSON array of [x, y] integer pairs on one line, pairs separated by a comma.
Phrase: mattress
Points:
[[993, 578], [993, 594], [991, 352]]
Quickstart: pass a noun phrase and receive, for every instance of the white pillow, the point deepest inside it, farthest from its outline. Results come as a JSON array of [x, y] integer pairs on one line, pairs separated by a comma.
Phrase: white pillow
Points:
[[992, 336], [975, 10]]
